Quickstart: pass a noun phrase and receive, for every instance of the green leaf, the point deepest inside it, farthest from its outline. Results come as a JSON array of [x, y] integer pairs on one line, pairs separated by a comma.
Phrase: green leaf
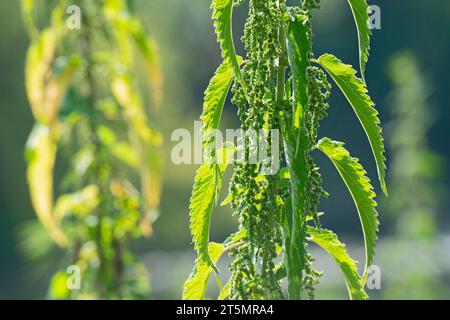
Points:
[[361, 190], [208, 183], [80, 203], [225, 292], [59, 289], [40, 56], [355, 91], [330, 243], [145, 140], [223, 17], [120, 149], [27, 16], [41, 156], [195, 286], [48, 77], [149, 50], [360, 10], [209, 176], [125, 93], [215, 96], [125, 27], [235, 237]]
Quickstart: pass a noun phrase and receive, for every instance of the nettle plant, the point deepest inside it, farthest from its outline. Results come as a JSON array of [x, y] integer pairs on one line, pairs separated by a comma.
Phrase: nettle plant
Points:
[[91, 119], [281, 84]]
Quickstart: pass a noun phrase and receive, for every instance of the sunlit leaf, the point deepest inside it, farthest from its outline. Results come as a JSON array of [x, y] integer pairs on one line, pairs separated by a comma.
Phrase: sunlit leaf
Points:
[[59, 289], [79, 203], [145, 143], [48, 78], [38, 66], [208, 183], [225, 292], [215, 96], [149, 50], [129, 30], [223, 17], [125, 94], [355, 91], [58, 85], [330, 243], [41, 155], [27, 16], [360, 189], [360, 10], [196, 285], [119, 149]]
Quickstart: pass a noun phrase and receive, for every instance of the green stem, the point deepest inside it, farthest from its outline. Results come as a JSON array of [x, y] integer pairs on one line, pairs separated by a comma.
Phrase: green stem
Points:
[[234, 245]]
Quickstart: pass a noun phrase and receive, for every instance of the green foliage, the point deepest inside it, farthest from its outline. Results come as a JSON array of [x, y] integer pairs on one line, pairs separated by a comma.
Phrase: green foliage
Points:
[[41, 156], [279, 88], [223, 16], [195, 286], [330, 243], [215, 97], [208, 180], [355, 91], [360, 188], [89, 116], [58, 287], [208, 183], [360, 10], [27, 13]]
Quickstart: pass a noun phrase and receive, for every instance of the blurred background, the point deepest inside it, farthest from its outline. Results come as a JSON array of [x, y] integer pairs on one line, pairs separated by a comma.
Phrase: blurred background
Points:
[[407, 75]]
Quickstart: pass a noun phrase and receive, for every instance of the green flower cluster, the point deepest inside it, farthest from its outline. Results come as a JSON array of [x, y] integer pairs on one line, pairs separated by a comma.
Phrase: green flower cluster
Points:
[[255, 196]]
